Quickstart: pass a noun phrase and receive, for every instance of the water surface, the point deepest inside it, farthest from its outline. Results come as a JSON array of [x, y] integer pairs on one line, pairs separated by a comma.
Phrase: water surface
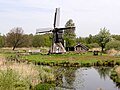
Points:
[[87, 79]]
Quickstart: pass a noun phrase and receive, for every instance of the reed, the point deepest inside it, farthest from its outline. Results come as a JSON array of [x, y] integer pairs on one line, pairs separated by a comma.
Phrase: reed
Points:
[[29, 74]]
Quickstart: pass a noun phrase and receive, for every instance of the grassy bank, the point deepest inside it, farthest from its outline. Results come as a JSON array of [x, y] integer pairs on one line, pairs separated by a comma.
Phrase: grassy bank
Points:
[[73, 59], [115, 75], [68, 59]]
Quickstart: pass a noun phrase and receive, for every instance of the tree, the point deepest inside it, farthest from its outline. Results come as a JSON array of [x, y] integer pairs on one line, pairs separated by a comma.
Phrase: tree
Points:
[[27, 41], [113, 44], [69, 34], [2, 41], [36, 42], [15, 37], [103, 37], [116, 37], [94, 39], [42, 40], [89, 39], [30, 38]]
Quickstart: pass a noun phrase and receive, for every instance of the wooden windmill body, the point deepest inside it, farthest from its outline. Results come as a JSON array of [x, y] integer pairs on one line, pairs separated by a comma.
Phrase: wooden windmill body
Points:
[[57, 47]]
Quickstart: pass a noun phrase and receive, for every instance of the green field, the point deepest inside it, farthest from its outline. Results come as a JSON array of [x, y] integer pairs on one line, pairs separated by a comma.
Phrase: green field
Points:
[[70, 59]]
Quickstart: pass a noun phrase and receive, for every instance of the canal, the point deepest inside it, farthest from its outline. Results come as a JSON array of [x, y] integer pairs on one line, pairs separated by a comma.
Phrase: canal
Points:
[[85, 78]]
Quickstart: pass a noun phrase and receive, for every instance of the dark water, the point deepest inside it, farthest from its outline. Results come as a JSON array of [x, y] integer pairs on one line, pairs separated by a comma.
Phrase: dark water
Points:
[[86, 79]]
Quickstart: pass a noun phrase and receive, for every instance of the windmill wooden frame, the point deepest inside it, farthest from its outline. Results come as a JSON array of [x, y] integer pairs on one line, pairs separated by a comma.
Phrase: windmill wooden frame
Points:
[[57, 47]]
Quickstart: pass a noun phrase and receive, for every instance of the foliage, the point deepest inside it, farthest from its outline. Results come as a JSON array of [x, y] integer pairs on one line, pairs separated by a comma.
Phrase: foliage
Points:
[[116, 37], [37, 41], [2, 41], [93, 45], [27, 42], [91, 40], [115, 75], [113, 44], [81, 40], [88, 40], [94, 39], [44, 86], [103, 37], [69, 34], [22, 76], [9, 80], [46, 74], [42, 40], [15, 37]]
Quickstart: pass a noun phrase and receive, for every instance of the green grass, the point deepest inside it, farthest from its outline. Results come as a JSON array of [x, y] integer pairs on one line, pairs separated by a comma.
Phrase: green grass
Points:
[[72, 58], [44, 86]]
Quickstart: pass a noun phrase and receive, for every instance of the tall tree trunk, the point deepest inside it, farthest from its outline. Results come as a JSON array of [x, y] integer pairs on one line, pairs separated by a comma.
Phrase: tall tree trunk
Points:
[[13, 48]]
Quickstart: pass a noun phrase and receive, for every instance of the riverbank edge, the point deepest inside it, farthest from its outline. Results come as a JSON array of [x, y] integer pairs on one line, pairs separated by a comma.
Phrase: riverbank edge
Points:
[[66, 63], [115, 76]]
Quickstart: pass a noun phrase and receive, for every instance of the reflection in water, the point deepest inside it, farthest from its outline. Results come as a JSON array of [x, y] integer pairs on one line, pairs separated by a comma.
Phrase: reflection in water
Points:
[[58, 72], [84, 78], [65, 77], [79, 82], [69, 75], [104, 72], [92, 80]]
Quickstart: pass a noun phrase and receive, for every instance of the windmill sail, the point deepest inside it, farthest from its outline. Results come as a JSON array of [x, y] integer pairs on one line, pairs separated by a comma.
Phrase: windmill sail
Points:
[[57, 18], [43, 30]]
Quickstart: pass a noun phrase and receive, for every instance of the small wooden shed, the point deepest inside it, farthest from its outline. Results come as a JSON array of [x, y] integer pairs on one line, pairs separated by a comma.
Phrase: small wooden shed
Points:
[[80, 48]]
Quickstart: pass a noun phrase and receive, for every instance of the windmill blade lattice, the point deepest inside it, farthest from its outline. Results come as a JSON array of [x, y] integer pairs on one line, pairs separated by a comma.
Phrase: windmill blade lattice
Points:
[[44, 30], [57, 18]]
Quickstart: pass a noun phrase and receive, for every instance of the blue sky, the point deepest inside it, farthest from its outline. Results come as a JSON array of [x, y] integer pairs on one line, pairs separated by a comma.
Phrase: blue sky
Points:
[[88, 15]]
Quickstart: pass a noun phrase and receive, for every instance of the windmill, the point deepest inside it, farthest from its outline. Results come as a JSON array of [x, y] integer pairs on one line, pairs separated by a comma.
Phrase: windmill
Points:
[[57, 40]]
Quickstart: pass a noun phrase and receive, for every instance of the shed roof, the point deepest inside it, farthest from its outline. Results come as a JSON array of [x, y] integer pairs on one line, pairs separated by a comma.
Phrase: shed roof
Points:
[[81, 45]]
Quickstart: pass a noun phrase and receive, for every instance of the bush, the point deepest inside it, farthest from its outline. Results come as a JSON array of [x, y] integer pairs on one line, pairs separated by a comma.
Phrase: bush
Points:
[[46, 74], [113, 44], [10, 80], [44, 86], [93, 45]]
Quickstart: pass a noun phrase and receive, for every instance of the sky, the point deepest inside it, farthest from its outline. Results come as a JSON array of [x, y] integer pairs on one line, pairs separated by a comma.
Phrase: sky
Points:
[[88, 15]]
